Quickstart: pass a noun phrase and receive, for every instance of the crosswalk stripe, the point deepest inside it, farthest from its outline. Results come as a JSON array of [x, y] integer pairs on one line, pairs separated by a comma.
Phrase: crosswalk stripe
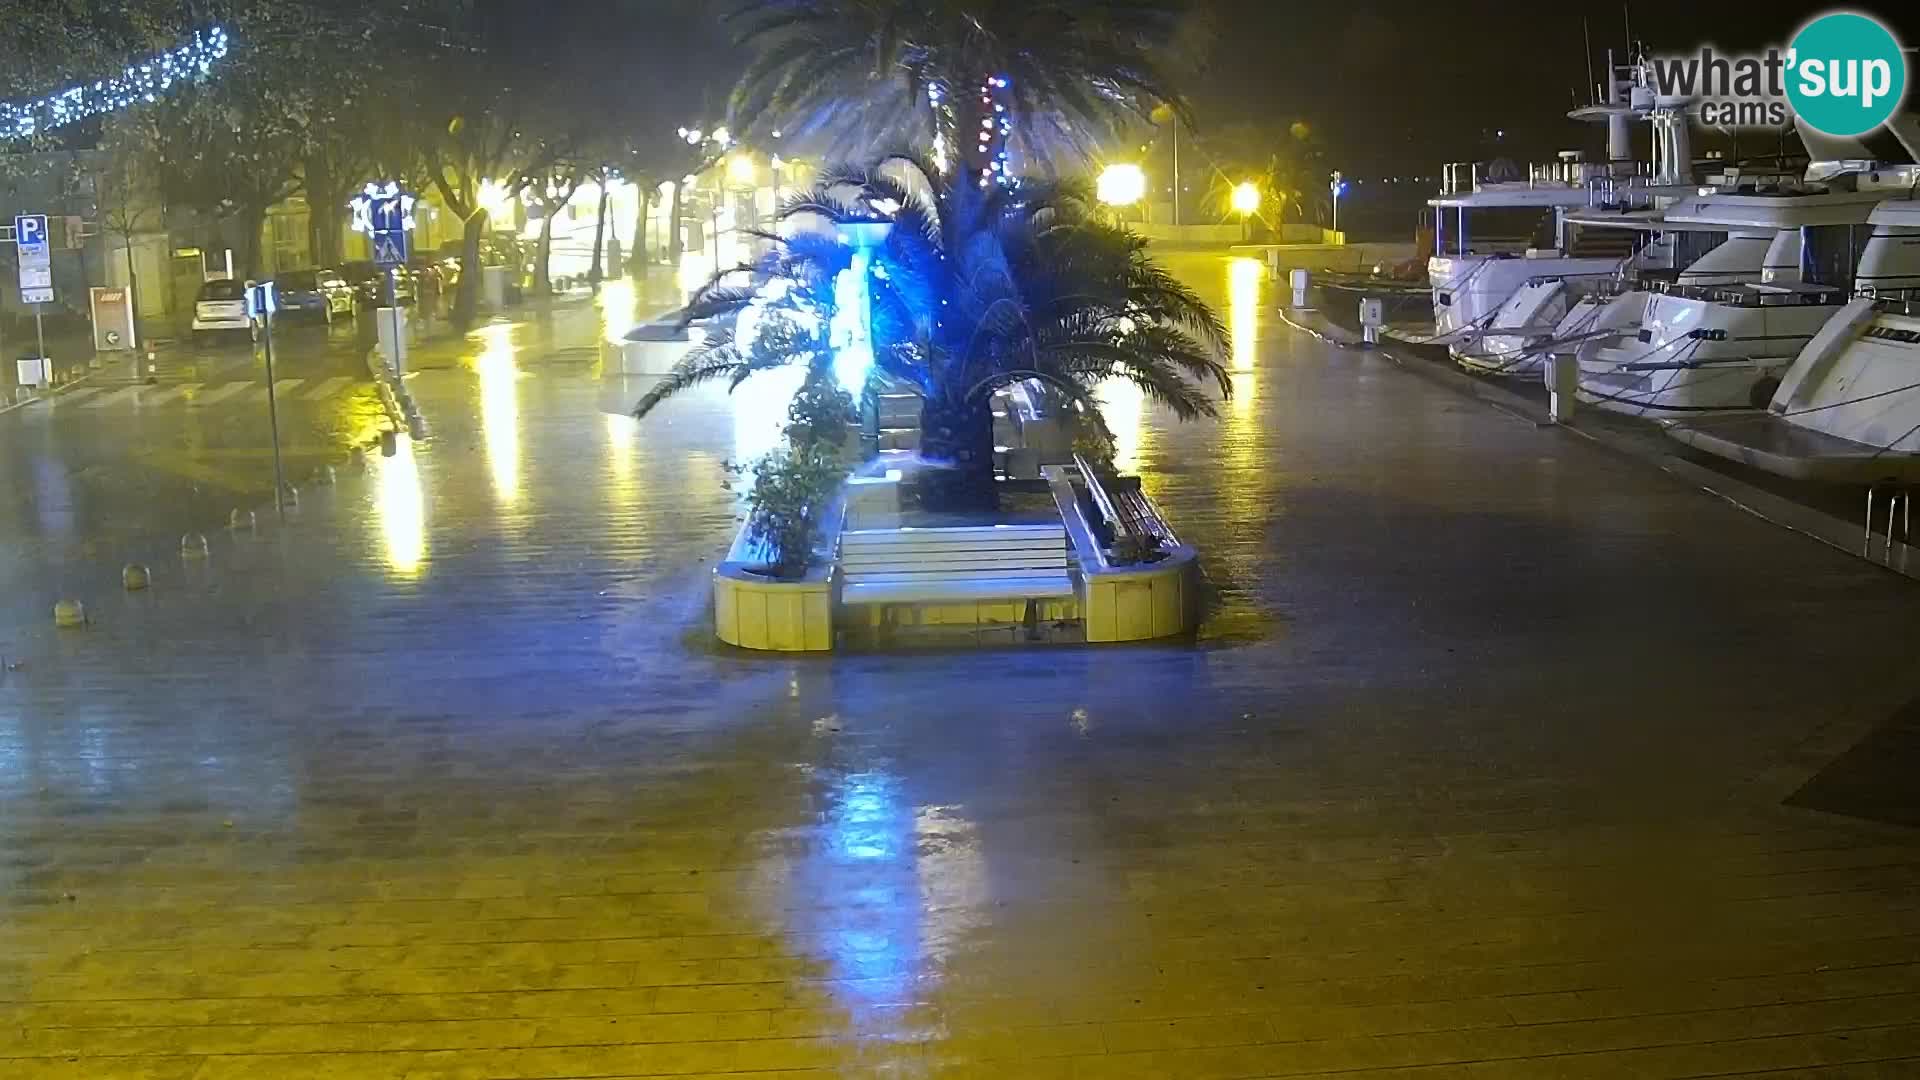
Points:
[[167, 393], [126, 394], [284, 387], [223, 392], [328, 388], [73, 396]]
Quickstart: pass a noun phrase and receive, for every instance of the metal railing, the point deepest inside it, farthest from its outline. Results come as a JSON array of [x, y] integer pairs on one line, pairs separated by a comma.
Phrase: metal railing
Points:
[[1745, 296], [1127, 513]]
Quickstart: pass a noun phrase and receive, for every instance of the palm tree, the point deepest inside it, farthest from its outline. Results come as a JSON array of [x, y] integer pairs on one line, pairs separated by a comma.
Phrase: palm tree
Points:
[[972, 290], [1064, 71]]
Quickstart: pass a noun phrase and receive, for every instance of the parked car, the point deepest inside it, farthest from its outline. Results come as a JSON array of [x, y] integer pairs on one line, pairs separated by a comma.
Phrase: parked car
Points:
[[369, 284], [221, 305], [313, 292]]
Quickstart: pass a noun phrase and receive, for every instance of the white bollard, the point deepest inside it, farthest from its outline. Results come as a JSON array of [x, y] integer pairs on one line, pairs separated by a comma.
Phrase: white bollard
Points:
[[1301, 281], [1563, 387]]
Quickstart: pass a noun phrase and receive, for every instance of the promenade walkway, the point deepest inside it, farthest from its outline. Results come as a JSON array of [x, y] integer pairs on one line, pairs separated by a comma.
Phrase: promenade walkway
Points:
[[1484, 767]]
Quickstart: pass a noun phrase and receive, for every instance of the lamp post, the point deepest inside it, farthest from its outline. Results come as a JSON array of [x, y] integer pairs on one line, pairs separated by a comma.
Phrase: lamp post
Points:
[[1338, 186], [1246, 202], [1121, 186]]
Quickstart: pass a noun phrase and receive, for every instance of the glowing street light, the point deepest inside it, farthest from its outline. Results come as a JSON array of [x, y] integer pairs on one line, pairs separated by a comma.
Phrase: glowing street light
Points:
[[1246, 203], [741, 171], [1338, 186], [1121, 185]]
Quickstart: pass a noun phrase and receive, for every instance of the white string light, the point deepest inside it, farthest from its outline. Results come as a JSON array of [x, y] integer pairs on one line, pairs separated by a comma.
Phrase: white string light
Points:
[[143, 82]]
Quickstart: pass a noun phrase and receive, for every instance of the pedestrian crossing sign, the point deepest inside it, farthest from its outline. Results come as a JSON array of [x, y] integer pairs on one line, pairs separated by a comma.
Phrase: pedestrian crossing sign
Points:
[[390, 248]]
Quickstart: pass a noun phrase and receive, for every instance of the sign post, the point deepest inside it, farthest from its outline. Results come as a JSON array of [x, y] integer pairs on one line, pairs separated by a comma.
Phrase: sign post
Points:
[[260, 305], [385, 214], [36, 269]]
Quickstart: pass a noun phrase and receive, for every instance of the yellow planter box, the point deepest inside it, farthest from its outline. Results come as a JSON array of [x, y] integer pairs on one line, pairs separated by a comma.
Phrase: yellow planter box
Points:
[[756, 612]]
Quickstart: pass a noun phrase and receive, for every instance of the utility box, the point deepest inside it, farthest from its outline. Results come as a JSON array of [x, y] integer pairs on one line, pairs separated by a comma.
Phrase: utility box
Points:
[[1373, 316], [1301, 281], [112, 319], [493, 287], [34, 371], [393, 325]]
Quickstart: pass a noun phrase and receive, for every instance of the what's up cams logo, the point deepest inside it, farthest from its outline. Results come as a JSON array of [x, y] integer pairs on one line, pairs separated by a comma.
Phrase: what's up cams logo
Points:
[[1844, 74]]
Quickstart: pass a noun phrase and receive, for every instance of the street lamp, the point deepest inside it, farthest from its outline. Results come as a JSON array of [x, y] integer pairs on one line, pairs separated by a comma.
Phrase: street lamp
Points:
[[1121, 185], [1246, 203], [1338, 186]]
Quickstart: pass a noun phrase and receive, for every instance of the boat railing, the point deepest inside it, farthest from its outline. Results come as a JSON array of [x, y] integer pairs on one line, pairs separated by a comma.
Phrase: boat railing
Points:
[[1461, 177], [1749, 296], [1898, 300], [1609, 192]]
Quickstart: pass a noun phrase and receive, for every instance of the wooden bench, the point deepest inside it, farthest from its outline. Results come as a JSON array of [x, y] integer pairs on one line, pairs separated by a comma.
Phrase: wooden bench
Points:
[[961, 565]]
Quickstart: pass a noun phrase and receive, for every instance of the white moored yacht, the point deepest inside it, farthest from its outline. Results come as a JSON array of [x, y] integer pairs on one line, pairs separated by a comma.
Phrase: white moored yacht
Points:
[[1847, 409], [1717, 335], [1496, 302]]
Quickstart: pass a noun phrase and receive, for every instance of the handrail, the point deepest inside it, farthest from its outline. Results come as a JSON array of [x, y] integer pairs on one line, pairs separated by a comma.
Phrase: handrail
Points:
[[1134, 521], [1747, 296]]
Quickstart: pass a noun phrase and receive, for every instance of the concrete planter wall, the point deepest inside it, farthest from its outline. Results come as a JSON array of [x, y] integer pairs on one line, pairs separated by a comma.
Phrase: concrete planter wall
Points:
[[1141, 603], [761, 613], [754, 611]]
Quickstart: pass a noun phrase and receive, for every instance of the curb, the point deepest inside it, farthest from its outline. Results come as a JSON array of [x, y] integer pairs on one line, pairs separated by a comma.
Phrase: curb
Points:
[[1777, 510], [59, 391]]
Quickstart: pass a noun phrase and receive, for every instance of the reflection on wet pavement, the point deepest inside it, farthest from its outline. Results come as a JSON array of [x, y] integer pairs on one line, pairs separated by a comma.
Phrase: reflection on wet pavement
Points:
[[443, 776]]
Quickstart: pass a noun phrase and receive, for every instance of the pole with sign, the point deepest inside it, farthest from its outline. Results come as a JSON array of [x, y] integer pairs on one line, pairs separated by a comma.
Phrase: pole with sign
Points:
[[260, 305], [385, 214], [36, 269]]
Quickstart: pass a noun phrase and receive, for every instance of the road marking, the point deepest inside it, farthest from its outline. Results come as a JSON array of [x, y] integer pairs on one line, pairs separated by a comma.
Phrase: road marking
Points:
[[72, 396], [115, 398], [283, 387], [222, 393], [167, 393], [328, 387]]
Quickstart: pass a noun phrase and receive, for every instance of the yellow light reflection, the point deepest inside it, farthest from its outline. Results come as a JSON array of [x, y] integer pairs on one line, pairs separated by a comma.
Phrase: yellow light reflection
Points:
[[402, 510], [622, 441], [619, 304], [1243, 308], [500, 409]]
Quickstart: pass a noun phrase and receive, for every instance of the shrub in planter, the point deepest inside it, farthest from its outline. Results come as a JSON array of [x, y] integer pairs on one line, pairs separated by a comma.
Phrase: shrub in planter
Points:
[[794, 485]]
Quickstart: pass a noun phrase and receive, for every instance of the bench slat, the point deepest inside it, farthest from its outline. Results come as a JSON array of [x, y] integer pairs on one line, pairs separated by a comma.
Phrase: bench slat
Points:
[[956, 572], [910, 537], [971, 575], [935, 543], [935, 592]]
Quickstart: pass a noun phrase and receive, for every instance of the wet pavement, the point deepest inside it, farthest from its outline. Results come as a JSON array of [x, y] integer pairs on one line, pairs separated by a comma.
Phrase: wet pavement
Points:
[[1478, 769]]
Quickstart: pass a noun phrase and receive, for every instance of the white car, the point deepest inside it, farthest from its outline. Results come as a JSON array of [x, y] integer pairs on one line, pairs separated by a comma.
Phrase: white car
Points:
[[222, 305]]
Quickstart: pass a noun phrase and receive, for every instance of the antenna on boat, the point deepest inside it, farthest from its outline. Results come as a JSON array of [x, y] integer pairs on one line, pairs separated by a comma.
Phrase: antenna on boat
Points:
[[1626, 16], [1586, 37]]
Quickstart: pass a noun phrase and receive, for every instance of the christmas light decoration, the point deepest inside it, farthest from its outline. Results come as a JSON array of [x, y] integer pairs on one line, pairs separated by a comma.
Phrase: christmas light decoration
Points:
[[143, 82], [999, 121], [376, 196]]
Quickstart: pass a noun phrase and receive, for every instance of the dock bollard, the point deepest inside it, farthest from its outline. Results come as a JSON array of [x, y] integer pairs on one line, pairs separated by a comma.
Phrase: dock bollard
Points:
[[1563, 387], [134, 577], [69, 613], [193, 546], [1301, 281]]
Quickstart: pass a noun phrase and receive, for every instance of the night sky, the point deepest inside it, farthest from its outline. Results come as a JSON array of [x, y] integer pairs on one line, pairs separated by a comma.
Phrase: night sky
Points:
[[1396, 86]]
